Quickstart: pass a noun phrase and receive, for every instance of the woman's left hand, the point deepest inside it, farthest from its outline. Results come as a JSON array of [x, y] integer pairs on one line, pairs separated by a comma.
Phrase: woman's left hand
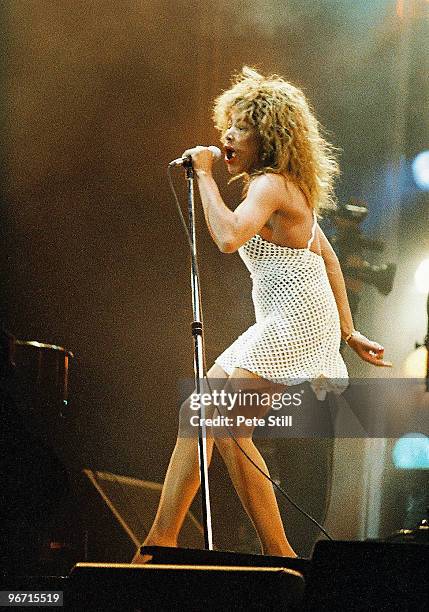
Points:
[[369, 351], [202, 158]]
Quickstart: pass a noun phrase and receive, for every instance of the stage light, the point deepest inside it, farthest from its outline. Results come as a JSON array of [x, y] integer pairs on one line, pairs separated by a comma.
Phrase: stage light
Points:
[[420, 167], [415, 364], [421, 277], [411, 452]]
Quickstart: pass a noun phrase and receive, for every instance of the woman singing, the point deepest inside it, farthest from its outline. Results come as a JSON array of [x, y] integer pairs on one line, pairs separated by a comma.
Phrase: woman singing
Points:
[[272, 140]]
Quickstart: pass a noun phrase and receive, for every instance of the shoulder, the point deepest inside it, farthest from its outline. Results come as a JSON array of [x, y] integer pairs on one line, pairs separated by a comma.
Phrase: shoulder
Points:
[[268, 180], [267, 185]]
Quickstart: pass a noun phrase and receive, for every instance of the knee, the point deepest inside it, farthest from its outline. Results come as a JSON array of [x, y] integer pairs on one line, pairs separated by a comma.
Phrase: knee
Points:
[[186, 413], [224, 443], [188, 417]]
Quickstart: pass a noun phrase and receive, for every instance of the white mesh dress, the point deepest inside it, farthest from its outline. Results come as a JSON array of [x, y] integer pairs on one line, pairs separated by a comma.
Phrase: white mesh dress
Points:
[[297, 332]]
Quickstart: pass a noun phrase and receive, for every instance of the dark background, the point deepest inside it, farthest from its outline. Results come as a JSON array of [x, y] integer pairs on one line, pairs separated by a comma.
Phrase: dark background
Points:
[[97, 97]]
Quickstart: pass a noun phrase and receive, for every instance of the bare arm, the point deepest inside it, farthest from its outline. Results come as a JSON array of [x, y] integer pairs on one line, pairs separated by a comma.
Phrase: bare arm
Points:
[[369, 351], [336, 280], [230, 229]]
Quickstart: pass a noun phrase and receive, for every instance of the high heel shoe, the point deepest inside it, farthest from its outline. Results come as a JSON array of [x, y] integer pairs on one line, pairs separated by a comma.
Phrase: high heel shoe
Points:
[[140, 559]]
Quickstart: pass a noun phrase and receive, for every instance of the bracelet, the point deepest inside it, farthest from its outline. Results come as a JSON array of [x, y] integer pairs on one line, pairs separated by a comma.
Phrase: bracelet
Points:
[[353, 333]]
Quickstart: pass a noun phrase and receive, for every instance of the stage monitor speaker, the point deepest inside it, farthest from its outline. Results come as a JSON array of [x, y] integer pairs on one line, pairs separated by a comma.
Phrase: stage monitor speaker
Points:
[[164, 555], [177, 587], [371, 575]]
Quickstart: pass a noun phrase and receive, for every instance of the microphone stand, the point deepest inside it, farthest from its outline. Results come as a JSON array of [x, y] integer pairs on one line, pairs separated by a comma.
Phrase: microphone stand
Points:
[[199, 365]]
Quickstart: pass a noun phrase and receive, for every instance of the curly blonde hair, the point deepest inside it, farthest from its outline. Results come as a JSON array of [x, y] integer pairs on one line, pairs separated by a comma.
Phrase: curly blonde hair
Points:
[[290, 134]]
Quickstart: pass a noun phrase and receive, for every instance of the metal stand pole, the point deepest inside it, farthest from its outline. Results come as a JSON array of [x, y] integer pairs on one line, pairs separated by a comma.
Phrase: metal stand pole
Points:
[[199, 367]]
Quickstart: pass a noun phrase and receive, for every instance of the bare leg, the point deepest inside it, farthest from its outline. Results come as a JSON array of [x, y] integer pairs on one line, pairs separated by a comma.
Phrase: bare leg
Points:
[[255, 491], [181, 483]]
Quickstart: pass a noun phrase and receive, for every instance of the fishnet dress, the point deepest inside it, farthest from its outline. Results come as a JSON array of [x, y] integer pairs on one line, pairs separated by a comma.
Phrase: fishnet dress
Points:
[[297, 332]]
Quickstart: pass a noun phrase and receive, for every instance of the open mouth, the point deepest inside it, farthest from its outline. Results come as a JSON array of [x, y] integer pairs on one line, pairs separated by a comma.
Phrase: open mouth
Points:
[[229, 153]]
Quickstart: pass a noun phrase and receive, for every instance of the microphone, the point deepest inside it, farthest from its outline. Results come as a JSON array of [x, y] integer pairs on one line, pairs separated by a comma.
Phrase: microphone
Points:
[[186, 162]]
